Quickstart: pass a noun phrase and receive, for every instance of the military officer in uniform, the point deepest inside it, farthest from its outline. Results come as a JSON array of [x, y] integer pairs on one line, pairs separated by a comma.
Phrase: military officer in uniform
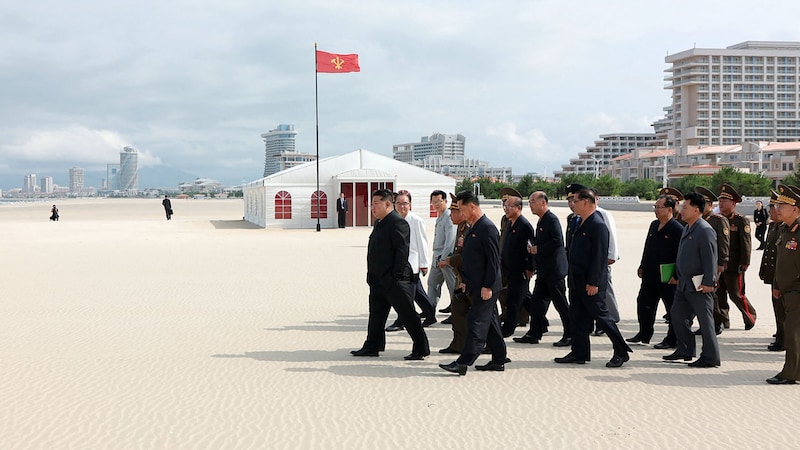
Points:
[[767, 271], [678, 196], [460, 303], [732, 279], [721, 227], [787, 282]]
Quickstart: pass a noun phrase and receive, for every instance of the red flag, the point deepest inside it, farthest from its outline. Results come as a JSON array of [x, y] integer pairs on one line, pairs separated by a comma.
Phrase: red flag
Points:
[[333, 63]]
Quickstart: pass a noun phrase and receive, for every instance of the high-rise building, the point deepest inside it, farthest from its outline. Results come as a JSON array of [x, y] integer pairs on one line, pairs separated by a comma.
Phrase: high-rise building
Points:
[[76, 180], [128, 169], [596, 157], [29, 184], [112, 177], [46, 186], [745, 92], [444, 154], [446, 146], [280, 153]]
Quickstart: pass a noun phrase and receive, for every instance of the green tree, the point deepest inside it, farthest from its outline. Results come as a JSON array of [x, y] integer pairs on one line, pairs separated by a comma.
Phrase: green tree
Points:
[[525, 186], [607, 186], [643, 188], [793, 179], [465, 185]]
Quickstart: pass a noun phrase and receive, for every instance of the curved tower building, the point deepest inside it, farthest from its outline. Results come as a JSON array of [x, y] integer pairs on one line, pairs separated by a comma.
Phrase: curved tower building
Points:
[[128, 169]]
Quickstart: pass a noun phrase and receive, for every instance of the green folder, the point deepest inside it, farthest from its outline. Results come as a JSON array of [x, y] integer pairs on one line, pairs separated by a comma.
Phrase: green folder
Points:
[[667, 272]]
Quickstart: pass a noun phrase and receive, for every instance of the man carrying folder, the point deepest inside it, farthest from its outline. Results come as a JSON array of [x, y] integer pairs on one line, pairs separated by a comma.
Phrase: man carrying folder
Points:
[[656, 269], [697, 256]]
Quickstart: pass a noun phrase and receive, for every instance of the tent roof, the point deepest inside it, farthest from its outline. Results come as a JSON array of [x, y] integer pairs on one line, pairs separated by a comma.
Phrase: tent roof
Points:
[[356, 165]]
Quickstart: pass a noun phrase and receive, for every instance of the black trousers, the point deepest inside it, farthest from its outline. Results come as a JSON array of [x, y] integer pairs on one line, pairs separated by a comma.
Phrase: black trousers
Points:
[[515, 297], [647, 305], [342, 218], [546, 290], [421, 299], [483, 327], [586, 310], [381, 300]]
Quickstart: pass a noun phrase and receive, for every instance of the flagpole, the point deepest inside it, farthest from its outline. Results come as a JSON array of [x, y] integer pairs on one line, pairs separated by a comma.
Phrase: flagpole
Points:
[[316, 111]]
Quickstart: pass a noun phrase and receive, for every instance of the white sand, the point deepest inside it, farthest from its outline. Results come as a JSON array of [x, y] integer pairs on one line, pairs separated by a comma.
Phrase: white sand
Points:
[[123, 330]]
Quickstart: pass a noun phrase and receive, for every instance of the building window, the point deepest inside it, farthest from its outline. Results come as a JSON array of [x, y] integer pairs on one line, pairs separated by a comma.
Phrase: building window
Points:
[[319, 205], [283, 205]]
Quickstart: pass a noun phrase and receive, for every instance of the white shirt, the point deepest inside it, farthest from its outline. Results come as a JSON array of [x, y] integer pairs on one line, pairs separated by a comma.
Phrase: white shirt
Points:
[[418, 245], [613, 253]]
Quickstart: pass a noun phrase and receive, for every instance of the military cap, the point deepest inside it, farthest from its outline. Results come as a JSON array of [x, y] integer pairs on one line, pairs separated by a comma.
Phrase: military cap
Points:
[[573, 188], [773, 197], [453, 202], [509, 192], [709, 196], [671, 192], [787, 196], [727, 191]]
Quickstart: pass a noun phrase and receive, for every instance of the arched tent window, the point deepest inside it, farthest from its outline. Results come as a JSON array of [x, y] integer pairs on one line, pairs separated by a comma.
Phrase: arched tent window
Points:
[[322, 213], [433, 212], [283, 205]]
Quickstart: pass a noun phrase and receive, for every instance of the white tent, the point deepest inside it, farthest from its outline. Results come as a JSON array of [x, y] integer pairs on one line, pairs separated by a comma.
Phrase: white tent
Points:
[[288, 199]]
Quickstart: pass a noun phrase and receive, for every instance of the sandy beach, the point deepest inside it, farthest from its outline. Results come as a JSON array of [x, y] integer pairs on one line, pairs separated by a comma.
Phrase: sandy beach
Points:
[[121, 329]]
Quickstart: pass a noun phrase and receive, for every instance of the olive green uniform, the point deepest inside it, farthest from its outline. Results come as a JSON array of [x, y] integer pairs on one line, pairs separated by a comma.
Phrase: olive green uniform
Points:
[[722, 228], [460, 303], [787, 281], [731, 281]]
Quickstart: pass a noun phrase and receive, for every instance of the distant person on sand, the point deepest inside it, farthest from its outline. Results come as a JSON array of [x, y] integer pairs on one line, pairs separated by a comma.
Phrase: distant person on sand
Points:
[[167, 207], [54, 214], [341, 210]]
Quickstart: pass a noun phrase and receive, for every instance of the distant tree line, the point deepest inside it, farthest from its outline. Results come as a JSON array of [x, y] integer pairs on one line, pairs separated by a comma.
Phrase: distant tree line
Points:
[[746, 184]]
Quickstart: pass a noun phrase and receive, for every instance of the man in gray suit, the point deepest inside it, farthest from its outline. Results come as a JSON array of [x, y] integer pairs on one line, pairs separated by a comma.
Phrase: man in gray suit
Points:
[[444, 238], [695, 275]]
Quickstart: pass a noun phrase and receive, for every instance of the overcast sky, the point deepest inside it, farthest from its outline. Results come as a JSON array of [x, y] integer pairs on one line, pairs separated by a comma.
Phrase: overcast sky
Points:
[[193, 84]]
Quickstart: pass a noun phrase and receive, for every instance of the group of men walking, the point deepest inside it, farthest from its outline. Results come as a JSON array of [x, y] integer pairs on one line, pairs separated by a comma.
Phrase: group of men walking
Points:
[[693, 260]]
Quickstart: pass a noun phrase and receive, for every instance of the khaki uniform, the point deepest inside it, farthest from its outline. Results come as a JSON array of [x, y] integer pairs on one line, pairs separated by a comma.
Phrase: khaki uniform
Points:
[[731, 281], [722, 228], [767, 275], [787, 281], [460, 303]]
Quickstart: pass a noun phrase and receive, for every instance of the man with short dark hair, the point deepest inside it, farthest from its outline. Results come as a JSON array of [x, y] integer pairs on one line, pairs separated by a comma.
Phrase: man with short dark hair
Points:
[[390, 280], [695, 277], [588, 281], [732, 279], [480, 271], [341, 209], [516, 264]]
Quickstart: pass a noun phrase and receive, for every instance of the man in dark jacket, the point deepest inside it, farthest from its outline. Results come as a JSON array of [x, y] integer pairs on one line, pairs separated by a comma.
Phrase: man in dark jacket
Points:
[[389, 279]]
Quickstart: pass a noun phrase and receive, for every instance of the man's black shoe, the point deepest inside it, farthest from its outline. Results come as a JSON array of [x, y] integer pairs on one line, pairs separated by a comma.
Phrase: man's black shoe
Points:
[[703, 364], [364, 352], [775, 347], [429, 322], [414, 356], [394, 328], [455, 367], [563, 342], [493, 367], [663, 345], [778, 380], [569, 359], [676, 357], [448, 321], [527, 339], [618, 360], [445, 310], [448, 350]]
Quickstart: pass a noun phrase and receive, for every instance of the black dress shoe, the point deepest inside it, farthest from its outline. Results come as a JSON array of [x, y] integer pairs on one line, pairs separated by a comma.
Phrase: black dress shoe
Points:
[[720, 329], [526, 339], [703, 364], [491, 366], [676, 357], [448, 350], [778, 380], [448, 321], [414, 356], [749, 326], [364, 352], [428, 322], [391, 328], [618, 360], [569, 359], [563, 342], [455, 367], [697, 332], [775, 347], [638, 338], [663, 345], [445, 310], [599, 332]]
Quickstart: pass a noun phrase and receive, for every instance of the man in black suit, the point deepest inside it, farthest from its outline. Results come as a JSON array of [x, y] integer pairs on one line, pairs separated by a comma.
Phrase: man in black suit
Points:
[[389, 280], [167, 207], [341, 209], [480, 272], [588, 281], [516, 263], [551, 269]]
